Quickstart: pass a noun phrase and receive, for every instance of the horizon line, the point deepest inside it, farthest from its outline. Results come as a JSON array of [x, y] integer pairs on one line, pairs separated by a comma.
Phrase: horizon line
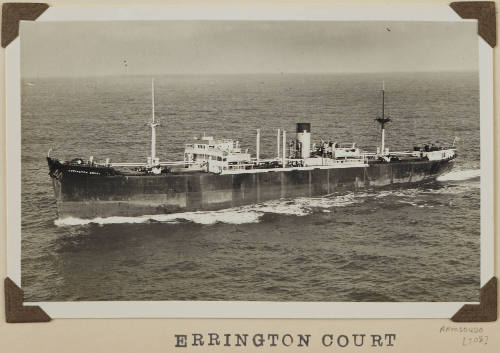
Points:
[[252, 73]]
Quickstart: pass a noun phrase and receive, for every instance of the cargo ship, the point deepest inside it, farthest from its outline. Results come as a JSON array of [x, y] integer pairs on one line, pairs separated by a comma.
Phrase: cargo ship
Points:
[[217, 174]]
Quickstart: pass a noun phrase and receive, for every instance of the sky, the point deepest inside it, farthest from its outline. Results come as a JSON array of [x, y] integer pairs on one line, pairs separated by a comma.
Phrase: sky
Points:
[[81, 49]]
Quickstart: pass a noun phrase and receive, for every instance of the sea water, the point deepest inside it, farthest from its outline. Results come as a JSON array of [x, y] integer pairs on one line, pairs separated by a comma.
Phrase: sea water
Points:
[[418, 243]]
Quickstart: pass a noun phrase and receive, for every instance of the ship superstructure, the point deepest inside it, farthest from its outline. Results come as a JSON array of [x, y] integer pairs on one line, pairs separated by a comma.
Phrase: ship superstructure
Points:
[[218, 173]]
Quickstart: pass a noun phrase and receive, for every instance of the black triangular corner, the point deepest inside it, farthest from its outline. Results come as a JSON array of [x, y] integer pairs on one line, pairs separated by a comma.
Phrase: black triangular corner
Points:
[[15, 311], [13, 12], [485, 311], [484, 12]]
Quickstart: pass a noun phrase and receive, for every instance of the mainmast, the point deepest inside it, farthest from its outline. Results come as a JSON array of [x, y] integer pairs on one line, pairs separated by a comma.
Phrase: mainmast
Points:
[[154, 161], [383, 120]]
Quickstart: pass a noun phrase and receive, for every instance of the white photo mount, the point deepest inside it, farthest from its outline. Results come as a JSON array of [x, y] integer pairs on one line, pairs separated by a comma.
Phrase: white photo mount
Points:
[[247, 309]]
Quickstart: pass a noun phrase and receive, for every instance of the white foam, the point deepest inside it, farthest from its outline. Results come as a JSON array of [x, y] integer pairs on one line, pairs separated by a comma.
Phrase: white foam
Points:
[[74, 221], [395, 193], [233, 216], [285, 207], [328, 201], [460, 175], [454, 189]]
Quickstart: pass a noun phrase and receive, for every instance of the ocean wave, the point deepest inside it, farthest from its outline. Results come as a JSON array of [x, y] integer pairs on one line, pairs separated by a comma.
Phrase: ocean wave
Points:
[[203, 217], [460, 175], [453, 189]]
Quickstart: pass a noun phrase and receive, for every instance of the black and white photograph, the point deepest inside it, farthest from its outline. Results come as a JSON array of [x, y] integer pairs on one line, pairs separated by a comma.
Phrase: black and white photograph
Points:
[[266, 161]]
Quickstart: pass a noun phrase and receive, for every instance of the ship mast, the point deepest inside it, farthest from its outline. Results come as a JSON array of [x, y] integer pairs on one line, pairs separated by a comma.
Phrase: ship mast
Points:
[[153, 125], [383, 120]]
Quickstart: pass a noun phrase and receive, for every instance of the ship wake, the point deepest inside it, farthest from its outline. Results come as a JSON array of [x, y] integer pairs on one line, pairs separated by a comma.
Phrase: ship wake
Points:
[[460, 175]]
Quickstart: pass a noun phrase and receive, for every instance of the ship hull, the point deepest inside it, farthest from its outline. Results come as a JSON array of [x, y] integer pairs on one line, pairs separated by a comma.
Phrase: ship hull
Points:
[[89, 196]]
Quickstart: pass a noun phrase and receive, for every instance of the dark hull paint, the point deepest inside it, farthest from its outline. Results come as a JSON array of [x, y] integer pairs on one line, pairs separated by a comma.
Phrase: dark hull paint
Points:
[[90, 196]]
